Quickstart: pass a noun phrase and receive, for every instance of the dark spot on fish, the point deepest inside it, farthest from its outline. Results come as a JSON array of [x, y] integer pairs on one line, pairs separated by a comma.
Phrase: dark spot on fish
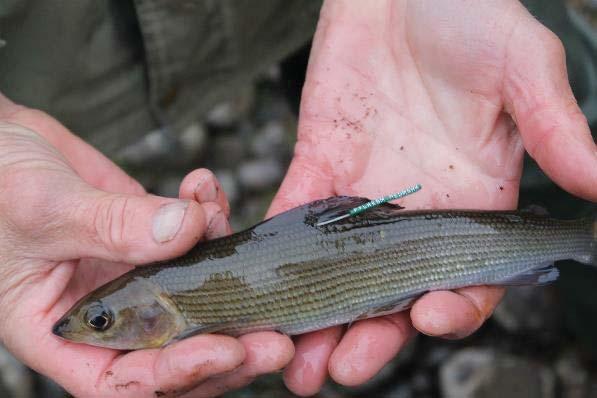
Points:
[[402, 147], [109, 373], [451, 167], [126, 385], [501, 188], [159, 393], [447, 195]]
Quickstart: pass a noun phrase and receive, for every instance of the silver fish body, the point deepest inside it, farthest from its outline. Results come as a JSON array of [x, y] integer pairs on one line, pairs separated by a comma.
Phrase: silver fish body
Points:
[[291, 275]]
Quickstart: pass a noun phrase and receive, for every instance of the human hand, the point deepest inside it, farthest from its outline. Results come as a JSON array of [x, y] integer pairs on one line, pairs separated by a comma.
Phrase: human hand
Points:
[[71, 220], [447, 94]]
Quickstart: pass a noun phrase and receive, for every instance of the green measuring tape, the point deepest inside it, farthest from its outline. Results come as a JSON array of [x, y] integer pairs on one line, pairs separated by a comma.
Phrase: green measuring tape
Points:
[[376, 202]]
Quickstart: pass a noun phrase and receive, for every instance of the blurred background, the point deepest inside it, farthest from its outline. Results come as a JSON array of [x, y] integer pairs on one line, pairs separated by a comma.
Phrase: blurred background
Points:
[[541, 342]]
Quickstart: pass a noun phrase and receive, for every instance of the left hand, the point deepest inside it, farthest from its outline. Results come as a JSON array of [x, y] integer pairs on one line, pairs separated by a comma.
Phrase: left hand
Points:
[[447, 94], [71, 220]]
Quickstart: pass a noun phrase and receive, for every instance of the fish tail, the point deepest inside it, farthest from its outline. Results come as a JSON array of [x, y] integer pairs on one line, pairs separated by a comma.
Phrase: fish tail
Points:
[[588, 255]]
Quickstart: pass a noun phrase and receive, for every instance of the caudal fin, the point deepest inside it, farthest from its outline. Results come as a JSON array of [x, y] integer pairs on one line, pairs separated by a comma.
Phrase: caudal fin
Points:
[[588, 255]]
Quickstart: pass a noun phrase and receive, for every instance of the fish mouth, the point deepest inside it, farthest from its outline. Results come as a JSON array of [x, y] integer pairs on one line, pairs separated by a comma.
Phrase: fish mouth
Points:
[[62, 327]]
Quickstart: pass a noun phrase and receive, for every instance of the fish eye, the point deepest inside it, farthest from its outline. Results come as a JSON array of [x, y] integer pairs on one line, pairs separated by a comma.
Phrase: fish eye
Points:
[[98, 318]]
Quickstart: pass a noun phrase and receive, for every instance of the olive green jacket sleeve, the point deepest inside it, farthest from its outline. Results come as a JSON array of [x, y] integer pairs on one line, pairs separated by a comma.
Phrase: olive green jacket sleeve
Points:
[[108, 69]]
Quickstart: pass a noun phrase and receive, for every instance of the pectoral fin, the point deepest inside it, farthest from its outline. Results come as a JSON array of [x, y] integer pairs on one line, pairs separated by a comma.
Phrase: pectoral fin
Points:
[[391, 307], [204, 329], [537, 276]]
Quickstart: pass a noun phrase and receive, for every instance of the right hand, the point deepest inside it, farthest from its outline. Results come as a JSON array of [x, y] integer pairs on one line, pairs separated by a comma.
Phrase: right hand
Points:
[[447, 94], [63, 207]]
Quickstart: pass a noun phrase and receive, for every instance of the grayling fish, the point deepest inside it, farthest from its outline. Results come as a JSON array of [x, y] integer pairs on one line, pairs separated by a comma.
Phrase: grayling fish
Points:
[[290, 275]]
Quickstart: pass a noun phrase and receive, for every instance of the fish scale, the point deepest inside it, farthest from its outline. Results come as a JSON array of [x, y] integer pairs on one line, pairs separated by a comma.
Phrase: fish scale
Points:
[[295, 274]]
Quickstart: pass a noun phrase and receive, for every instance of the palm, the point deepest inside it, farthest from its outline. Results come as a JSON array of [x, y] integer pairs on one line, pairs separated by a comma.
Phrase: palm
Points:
[[397, 112], [68, 281]]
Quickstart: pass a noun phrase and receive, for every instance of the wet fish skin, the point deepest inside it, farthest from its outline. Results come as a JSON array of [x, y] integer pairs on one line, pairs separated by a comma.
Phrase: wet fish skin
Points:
[[290, 275]]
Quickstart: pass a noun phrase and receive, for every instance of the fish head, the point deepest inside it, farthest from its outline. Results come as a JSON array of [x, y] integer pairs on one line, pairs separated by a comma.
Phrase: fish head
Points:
[[126, 314]]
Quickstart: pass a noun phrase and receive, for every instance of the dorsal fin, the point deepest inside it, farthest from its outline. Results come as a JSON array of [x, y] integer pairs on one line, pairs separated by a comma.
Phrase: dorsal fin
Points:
[[535, 210], [326, 209]]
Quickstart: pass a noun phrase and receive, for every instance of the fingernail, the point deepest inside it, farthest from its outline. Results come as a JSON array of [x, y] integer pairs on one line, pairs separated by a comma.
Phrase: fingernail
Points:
[[168, 220], [218, 226], [206, 190]]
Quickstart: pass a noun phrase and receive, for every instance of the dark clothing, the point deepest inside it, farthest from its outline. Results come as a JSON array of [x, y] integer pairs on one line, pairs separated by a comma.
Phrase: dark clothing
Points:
[[120, 67]]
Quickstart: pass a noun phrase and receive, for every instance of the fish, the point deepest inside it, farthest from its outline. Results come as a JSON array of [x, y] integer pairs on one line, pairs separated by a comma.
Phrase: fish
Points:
[[294, 273]]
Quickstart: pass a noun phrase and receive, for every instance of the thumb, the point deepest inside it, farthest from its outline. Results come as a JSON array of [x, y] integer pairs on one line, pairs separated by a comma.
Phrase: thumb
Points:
[[132, 229], [539, 98], [138, 229], [306, 180]]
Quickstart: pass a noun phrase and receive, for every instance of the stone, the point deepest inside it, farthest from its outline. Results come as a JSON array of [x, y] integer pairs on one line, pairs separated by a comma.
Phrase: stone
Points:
[[227, 114], [272, 74], [222, 115], [421, 383], [229, 184], [193, 139], [437, 355], [483, 372], [573, 376], [528, 309], [270, 140], [260, 174], [151, 146]]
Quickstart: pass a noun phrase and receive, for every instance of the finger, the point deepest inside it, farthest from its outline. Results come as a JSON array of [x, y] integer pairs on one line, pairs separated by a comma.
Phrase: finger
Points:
[[217, 222], [266, 352], [455, 314], [308, 370], [305, 181], [78, 221], [538, 96], [367, 346], [203, 186], [91, 165], [172, 370]]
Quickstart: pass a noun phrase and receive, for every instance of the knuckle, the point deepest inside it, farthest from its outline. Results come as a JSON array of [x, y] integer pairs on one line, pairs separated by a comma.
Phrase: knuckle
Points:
[[551, 44], [109, 223]]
